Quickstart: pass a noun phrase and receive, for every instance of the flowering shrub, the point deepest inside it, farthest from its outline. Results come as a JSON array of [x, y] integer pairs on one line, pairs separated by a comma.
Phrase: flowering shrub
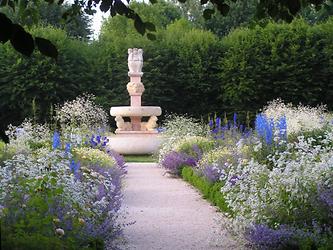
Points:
[[81, 113], [94, 156], [176, 128], [194, 146], [174, 161], [276, 182], [57, 191], [80, 199], [28, 136], [287, 193], [299, 119]]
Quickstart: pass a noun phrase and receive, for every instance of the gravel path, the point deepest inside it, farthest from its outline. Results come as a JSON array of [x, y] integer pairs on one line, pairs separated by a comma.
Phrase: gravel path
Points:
[[168, 213]]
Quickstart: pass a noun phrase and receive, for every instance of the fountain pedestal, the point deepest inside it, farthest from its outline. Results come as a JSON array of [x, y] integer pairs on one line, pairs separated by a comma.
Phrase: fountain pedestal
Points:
[[135, 136]]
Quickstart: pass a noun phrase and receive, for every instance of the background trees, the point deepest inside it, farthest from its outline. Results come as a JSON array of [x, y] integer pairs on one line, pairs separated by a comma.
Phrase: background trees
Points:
[[189, 68]]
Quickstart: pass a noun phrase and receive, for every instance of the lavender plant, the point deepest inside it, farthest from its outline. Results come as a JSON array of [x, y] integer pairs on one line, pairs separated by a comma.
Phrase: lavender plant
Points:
[[64, 202]]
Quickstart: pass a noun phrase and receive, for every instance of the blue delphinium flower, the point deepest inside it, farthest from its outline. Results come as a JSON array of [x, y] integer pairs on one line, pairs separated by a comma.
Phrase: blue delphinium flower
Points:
[[265, 128], [211, 124], [74, 167], [67, 148], [56, 140], [218, 123], [282, 126], [235, 119]]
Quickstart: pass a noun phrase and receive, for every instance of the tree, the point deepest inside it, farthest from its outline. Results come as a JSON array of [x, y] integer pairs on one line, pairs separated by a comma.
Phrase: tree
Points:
[[51, 14], [78, 26], [242, 13], [23, 41]]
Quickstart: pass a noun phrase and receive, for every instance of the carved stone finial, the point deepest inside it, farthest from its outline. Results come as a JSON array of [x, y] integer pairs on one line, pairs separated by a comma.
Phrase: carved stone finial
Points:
[[135, 61]]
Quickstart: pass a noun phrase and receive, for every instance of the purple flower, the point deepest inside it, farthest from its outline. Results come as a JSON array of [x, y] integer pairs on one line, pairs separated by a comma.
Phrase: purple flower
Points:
[[218, 122], [233, 180], [326, 197], [235, 119], [211, 124], [120, 160], [212, 173], [173, 161], [263, 237], [198, 152]]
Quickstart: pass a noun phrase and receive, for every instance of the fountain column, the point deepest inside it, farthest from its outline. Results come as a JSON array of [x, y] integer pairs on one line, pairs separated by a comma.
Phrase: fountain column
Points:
[[135, 137], [135, 87]]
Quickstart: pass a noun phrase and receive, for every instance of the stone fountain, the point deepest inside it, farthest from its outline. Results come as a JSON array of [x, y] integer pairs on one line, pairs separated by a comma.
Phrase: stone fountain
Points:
[[135, 136]]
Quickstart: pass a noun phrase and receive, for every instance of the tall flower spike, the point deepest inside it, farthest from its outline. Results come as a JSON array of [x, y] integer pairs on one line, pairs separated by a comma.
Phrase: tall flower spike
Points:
[[56, 140]]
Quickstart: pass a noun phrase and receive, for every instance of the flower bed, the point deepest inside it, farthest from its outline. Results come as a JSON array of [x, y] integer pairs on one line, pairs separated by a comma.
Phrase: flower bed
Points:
[[276, 184], [58, 192]]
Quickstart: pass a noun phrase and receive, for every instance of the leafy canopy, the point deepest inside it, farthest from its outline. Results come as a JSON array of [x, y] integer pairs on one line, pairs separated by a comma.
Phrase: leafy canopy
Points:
[[25, 43]]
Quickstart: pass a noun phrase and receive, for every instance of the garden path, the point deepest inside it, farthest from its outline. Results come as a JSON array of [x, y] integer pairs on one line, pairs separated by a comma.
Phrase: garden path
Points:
[[169, 213]]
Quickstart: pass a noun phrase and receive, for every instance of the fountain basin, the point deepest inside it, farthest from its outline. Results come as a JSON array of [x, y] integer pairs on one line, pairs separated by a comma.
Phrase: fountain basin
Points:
[[136, 111], [135, 143]]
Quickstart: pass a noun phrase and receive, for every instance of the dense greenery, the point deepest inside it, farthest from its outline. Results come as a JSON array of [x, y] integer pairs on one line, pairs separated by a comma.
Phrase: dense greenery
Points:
[[291, 61], [186, 63], [39, 78], [209, 190]]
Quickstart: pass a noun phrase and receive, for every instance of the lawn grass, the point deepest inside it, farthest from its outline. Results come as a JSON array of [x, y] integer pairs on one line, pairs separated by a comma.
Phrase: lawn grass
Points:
[[140, 158]]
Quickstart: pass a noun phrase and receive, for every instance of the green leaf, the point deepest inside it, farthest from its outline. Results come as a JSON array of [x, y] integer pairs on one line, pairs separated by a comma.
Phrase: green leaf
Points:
[[150, 26], [151, 36], [46, 47], [22, 41], [3, 2], [6, 28], [105, 5], [139, 25], [207, 14], [223, 8], [153, 1], [120, 7], [113, 12]]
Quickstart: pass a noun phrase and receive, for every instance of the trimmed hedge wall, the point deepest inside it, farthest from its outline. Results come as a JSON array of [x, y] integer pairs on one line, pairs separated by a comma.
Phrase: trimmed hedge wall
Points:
[[291, 61]]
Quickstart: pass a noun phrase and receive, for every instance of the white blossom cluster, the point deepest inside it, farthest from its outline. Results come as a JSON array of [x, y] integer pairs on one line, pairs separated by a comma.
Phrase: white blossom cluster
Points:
[[47, 165], [81, 113], [262, 192], [178, 127], [21, 137], [300, 118]]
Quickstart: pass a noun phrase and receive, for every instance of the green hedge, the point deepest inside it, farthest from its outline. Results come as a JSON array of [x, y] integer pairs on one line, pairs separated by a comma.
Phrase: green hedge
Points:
[[291, 61], [210, 191], [187, 70]]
